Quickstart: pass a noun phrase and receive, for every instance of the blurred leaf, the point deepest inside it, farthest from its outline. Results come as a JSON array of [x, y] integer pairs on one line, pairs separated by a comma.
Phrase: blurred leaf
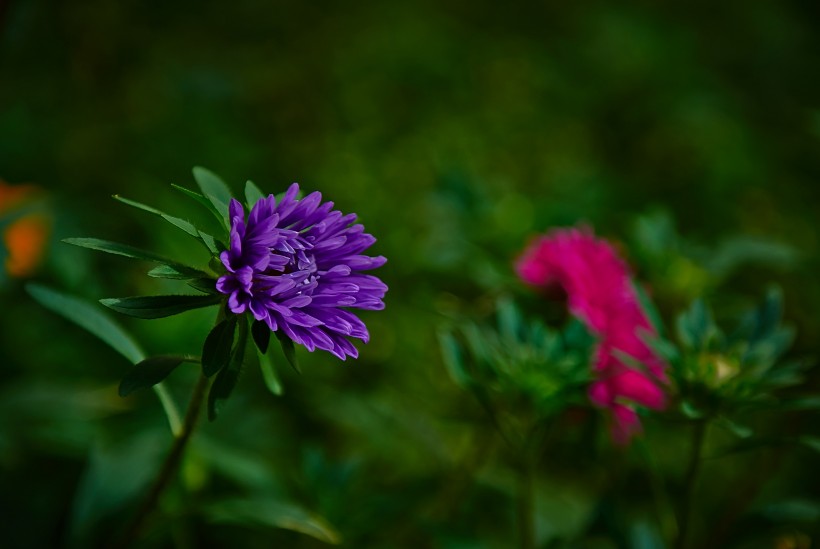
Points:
[[89, 317], [269, 374], [649, 308], [805, 403], [793, 510], [810, 442], [690, 411], [214, 189], [148, 373], [114, 476], [452, 358], [509, 320], [695, 326], [736, 251], [177, 272], [159, 306], [740, 431], [645, 536], [289, 350], [252, 194], [216, 353], [261, 335], [260, 511], [227, 377]]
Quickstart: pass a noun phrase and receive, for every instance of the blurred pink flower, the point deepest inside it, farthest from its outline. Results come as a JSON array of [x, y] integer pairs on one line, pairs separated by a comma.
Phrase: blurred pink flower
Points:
[[600, 292]]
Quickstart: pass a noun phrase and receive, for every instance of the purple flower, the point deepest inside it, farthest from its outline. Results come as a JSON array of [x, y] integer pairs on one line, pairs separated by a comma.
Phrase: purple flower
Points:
[[297, 265]]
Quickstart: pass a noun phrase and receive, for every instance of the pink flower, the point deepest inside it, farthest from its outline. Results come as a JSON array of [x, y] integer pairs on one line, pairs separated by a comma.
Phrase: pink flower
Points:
[[600, 292]]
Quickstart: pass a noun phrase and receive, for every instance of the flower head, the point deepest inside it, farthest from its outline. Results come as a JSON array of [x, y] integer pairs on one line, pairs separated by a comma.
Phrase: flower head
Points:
[[600, 292], [297, 265]]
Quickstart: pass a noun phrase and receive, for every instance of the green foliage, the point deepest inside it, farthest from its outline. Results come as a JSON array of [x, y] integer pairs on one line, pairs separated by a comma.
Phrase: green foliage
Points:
[[228, 375], [159, 306], [520, 369], [216, 353], [87, 316], [148, 373]]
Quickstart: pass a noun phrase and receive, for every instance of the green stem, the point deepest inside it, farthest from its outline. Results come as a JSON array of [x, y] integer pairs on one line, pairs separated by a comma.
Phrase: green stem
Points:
[[169, 466], [692, 472]]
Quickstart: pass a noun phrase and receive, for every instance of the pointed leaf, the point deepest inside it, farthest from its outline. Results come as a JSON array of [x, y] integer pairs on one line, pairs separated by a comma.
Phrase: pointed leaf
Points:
[[209, 205], [89, 317], [118, 249], [216, 353], [214, 245], [261, 335], [252, 194], [214, 189], [177, 272], [176, 221], [227, 378], [205, 285], [288, 349], [269, 374], [159, 306], [148, 373]]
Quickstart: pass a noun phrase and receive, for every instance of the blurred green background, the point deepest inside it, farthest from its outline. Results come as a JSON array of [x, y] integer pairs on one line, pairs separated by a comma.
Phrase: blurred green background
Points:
[[456, 130]]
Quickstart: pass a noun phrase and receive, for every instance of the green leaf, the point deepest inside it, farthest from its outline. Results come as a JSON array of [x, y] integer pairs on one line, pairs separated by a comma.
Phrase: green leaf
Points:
[[810, 442], [690, 411], [149, 372], [695, 326], [804, 403], [509, 320], [214, 245], [649, 308], [89, 317], [214, 189], [209, 205], [451, 352], [227, 378], [118, 249], [269, 374], [740, 431], [175, 221], [288, 349], [204, 238], [159, 306], [204, 285], [252, 194], [265, 511], [177, 272], [261, 335], [216, 353]]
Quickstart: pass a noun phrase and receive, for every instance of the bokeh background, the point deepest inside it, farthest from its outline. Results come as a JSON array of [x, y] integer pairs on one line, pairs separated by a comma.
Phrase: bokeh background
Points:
[[688, 134]]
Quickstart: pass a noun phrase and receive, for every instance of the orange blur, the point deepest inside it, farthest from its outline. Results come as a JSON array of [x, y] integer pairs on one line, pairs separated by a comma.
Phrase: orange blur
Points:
[[25, 238]]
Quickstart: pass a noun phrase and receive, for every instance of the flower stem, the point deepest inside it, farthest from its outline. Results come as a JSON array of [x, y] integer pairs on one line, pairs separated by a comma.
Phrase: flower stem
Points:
[[169, 466], [692, 472]]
